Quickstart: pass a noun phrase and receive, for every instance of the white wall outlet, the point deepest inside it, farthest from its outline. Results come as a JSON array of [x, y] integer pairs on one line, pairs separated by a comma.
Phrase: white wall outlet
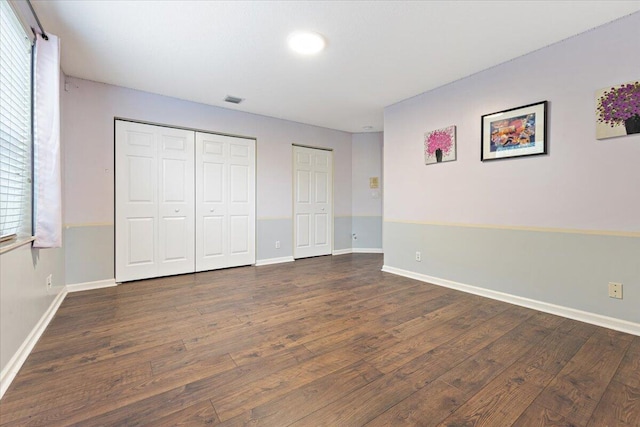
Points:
[[418, 256], [277, 244], [615, 290], [355, 236], [49, 281]]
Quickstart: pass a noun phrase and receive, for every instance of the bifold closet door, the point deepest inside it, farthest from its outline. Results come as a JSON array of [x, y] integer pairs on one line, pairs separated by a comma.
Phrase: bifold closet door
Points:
[[225, 201], [154, 204]]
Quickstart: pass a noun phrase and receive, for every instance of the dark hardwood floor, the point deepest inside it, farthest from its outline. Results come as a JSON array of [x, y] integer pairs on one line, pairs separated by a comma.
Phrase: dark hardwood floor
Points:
[[329, 341]]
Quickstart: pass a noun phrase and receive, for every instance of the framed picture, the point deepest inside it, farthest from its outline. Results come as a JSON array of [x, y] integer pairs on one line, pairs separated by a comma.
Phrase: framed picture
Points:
[[440, 145], [516, 132], [618, 110]]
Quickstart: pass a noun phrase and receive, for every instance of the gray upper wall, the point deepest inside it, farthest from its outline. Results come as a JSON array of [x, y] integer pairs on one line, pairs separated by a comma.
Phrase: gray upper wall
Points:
[[90, 108], [583, 183]]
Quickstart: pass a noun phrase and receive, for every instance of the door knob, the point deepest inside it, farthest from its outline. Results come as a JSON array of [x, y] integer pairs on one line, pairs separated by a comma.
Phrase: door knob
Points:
[[177, 210], [322, 209], [212, 210]]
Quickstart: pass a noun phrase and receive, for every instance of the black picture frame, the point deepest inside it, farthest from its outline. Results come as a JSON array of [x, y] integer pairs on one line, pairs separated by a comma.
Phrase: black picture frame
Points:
[[516, 132]]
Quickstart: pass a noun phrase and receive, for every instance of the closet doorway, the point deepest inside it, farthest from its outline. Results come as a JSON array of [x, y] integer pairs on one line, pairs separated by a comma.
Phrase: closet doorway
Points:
[[184, 201]]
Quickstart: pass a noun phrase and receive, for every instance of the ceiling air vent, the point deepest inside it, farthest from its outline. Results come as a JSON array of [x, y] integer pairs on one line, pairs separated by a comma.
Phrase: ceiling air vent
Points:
[[233, 99]]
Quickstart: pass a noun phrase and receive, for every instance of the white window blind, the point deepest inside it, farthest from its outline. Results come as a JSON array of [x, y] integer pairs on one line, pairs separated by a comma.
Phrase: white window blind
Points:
[[15, 125]]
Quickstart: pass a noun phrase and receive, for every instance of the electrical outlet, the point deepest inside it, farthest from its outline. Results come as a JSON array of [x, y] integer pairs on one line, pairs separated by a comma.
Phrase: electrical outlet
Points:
[[615, 290], [49, 281], [277, 244], [418, 256], [355, 236]]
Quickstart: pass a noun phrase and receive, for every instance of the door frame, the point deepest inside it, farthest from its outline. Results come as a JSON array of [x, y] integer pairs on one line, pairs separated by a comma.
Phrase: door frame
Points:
[[293, 195]]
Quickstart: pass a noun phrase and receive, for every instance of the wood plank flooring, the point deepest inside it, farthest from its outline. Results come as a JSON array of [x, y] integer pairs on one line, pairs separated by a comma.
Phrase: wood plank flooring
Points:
[[328, 341]]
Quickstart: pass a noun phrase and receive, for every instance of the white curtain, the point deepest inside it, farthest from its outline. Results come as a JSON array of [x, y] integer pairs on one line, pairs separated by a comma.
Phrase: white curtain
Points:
[[48, 186]]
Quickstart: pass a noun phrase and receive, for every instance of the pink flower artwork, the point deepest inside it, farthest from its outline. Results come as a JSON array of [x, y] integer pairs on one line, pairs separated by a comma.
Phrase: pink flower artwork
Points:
[[440, 145]]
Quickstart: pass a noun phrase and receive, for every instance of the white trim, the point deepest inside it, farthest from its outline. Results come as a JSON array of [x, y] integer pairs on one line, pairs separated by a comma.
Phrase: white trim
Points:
[[269, 261], [275, 218], [619, 233], [87, 286], [88, 224], [367, 250], [10, 371], [342, 251], [571, 313], [10, 245]]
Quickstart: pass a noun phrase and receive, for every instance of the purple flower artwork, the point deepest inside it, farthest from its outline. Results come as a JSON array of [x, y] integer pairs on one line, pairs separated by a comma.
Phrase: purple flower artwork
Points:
[[440, 145], [618, 110]]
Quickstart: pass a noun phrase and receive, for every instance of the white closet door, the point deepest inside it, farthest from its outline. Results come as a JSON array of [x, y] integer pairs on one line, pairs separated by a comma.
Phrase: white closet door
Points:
[[154, 205], [136, 201], [176, 204], [225, 201], [313, 202], [241, 202]]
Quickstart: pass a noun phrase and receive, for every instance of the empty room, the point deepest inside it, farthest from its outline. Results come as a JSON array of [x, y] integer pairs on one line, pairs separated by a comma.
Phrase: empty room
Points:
[[319, 213]]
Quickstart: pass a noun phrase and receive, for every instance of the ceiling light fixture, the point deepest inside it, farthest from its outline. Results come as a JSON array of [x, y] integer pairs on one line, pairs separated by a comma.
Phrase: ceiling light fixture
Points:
[[367, 127], [306, 42]]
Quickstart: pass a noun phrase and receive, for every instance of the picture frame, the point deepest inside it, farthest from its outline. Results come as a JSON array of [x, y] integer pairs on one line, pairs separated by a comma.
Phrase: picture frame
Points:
[[618, 110], [516, 132], [440, 145]]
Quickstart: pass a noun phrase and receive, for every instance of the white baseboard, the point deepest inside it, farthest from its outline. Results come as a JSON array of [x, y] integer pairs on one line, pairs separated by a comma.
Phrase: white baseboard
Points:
[[270, 261], [367, 250], [86, 286], [357, 251], [10, 371], [571, 313], [13, 367], [342, 251]]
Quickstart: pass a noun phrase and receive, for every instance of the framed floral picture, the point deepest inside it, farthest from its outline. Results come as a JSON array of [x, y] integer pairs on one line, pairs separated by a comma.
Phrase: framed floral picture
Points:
[[440, 145], [618, 110], [517, 132]]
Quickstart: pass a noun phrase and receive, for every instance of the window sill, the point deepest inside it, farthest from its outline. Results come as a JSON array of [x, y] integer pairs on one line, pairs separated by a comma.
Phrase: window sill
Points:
[[13, 244]]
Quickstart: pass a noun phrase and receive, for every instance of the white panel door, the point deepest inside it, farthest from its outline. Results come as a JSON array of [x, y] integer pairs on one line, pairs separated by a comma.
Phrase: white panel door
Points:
[[154, 204], [225, 201], [136, 204], [242, 202], [176, 201], [312, 202]]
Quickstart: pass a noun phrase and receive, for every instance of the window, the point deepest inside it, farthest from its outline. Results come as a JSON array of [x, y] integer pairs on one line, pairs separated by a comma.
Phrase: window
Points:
[[15, 125]]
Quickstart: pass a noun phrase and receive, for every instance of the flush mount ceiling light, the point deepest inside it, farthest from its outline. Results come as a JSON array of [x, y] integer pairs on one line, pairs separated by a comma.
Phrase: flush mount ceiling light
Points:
[[367, 127], [306, 42]]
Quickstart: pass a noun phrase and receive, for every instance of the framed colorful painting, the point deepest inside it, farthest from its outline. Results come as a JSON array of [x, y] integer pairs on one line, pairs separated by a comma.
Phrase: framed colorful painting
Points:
[[516, 132], [618, 110], [440, 145]]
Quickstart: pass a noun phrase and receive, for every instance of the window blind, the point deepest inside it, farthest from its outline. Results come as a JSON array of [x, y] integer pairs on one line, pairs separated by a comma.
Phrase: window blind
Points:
[[15, 125]]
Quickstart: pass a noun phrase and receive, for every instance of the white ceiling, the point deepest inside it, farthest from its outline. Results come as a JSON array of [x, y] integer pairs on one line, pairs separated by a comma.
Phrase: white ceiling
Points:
[[378, 52]]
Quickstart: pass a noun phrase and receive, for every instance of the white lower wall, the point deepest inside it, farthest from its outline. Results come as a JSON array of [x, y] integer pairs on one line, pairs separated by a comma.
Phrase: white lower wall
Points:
[[366, 232], [89, 253], [24, 297]]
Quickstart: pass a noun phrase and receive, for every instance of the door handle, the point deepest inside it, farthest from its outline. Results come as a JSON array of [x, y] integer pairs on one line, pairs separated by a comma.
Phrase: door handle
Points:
[[322, 209], [212, 210], [177, 210]]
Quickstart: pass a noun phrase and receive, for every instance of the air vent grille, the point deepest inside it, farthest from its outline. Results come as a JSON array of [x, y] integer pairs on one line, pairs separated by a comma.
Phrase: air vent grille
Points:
[[233, 99]]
